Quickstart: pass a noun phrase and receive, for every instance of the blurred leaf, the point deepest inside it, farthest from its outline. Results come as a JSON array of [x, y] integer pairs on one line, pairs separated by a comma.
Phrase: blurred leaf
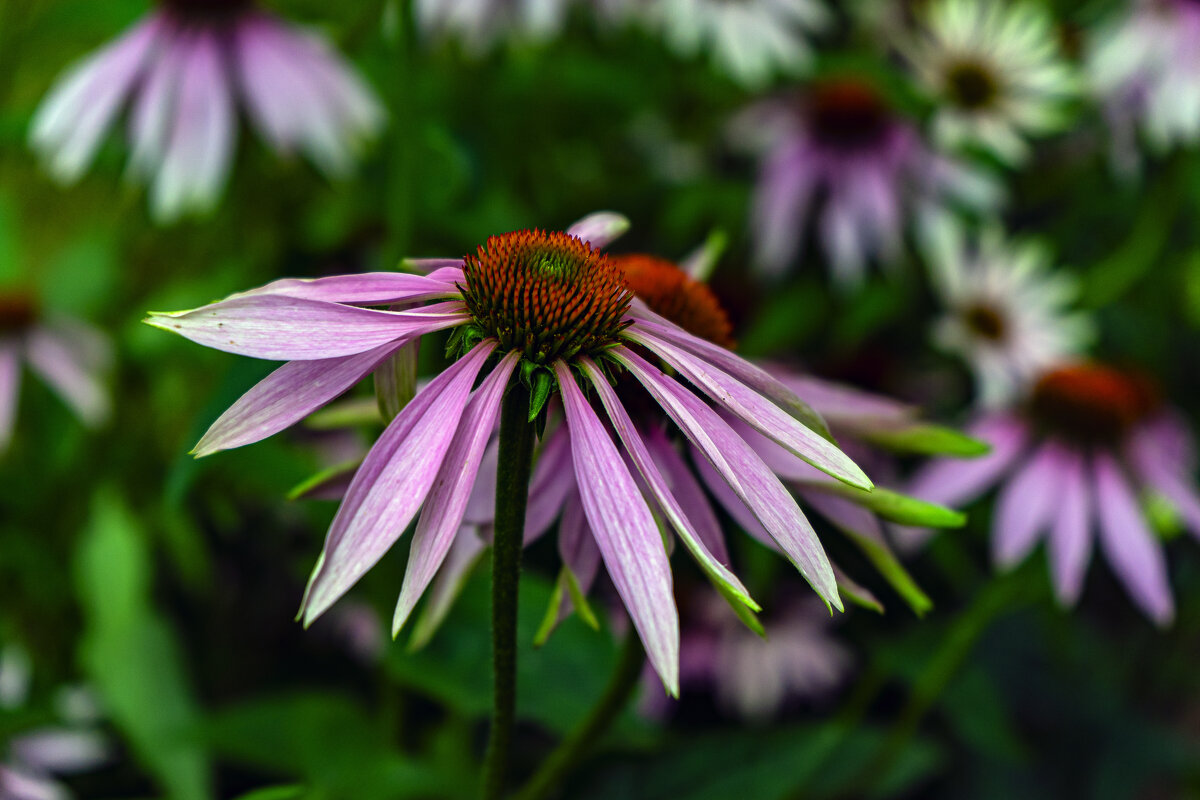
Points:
[[276, 793], [130, 654], [891, 505], [926, 439]]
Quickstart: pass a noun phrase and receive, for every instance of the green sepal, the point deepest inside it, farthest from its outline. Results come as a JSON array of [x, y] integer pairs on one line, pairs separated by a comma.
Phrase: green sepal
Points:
[[308, 484], [927, 440], [567, 585], [856, 593], [744, 612], [542, 385], [893, 506]]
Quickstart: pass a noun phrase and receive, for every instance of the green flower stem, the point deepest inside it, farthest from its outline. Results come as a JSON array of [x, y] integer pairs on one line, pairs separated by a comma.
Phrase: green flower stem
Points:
[[512, 489], [568, 753]]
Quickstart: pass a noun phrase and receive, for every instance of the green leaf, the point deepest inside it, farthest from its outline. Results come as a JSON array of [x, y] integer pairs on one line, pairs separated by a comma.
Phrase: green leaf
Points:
[[893, 506], [543, 384], [323, 477], [927, 439]]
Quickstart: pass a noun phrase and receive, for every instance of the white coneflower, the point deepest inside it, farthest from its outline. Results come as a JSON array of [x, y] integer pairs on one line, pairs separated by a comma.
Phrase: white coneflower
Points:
[[996, 70]]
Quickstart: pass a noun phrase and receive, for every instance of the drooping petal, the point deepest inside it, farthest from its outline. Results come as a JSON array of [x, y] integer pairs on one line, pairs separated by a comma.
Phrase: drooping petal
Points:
[[600, 229], [657, 485], [367, 289], [549, 486], [1167, 475], [295, 329], [286, 396], [1070, 538], [625, 531], [1025, 507], [451, 579], [729, 500], [431, 266], [955, 482], [688, 491], [392, 483], [60, 364], [759, 411], [10, 389], [1128, 544], [845, 405], [743, 470], [447, 501]]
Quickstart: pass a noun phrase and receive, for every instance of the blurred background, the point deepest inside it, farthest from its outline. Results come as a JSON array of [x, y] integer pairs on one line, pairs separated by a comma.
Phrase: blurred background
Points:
[[147, 641]]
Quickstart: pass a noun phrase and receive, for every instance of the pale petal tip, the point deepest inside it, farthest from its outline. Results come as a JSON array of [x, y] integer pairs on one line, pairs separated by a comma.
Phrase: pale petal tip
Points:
[[600, 228]]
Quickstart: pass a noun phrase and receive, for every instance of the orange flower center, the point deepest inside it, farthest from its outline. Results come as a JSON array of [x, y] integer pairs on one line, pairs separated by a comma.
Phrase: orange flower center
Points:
[[1091, 403], [672, 293], [549, 295], [18, 313], [848, 115]]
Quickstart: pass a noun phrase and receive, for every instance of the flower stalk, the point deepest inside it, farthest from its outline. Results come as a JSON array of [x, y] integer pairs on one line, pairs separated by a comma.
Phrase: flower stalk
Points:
[[512, 489]]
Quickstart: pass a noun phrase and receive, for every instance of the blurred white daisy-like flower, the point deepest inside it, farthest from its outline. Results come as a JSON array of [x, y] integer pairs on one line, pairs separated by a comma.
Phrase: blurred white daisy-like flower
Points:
[[996, 70], [1006, 311], [479, 24]]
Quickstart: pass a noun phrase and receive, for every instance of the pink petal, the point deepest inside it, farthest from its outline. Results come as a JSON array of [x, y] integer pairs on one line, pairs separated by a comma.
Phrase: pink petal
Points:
[[691, 496], [1128, 544], [392, 483], [729, 500], [10, 389], [955, 482], [550, 485], [366, 289], [295, 329], [431, 266], [1026, 505], [59, 363], [844, 405], [743, 470], [657, 485], [757, 410], [1070, 539], [451, 579], [577, 548], [286, 396], [600, 229], [447, 501], [1171, 477], [625, 531]]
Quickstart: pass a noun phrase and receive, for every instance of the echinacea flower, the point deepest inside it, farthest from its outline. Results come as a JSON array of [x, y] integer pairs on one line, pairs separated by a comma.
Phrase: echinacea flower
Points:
[[182, 71], [752, 676], [479, 23], [546, 307], [838, 157], [68, 355], [1006, 310], [751, 41], [1073, 460], [1145, 69], [33, 759], [996, 70]]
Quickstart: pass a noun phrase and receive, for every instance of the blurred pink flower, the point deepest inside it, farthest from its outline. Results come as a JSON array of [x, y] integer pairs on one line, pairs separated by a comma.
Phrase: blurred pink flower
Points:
[[1071, 460], [181, 71], [68, 355], [839, 155]]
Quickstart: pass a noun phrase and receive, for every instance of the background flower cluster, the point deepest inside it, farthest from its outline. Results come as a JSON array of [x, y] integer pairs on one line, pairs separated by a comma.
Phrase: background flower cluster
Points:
[[920, 216]]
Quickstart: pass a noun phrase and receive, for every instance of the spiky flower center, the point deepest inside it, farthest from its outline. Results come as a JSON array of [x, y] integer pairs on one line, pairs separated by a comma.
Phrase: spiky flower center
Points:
[[986, 322], [672, 293], [971, 85], [18, 313], [848, 116], [1090, 404], [548, 295]]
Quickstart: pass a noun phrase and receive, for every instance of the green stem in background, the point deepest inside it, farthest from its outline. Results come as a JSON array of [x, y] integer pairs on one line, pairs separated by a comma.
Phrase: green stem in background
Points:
[[568, 753], [512, 490]]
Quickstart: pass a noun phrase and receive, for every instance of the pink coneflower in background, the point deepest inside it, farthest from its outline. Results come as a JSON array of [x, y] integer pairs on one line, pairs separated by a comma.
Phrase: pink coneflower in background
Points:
[[1007, 311], [840, 155], [752, 676], [182, 72], [68, 355], [1145, 68], [1072, 460], [551, 309]]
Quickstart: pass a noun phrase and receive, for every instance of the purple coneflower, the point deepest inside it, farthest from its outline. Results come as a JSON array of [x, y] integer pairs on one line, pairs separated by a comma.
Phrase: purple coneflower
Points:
[[1006, 309], [181, 70], [1085, 443], [68, 355], [752, 676], [541, 310], [1146, 70], [840, 154]]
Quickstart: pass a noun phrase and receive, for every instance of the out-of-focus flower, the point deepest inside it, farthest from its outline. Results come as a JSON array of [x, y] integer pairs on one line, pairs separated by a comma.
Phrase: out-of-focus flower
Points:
[[182, 71], [551, 304], [1071, 460], [996, 69], [841, 155], [751, 41], [479, 23], [68, 355], [1006, 310], [1145, 68], [33, 758], [752, 676]]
